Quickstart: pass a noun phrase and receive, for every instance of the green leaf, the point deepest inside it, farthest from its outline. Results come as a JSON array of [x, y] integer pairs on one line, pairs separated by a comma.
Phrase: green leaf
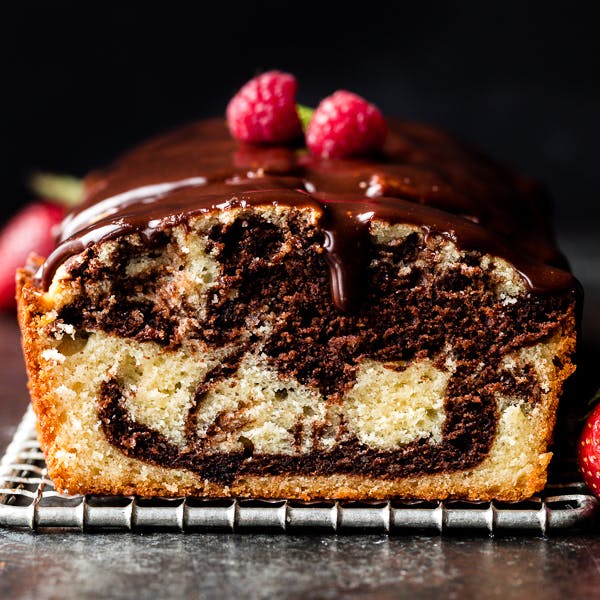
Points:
[[305, 113], [65, 189]]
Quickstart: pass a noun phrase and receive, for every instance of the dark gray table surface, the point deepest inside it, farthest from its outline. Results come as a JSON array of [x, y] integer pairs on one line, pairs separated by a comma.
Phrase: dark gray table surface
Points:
[[156, 565]]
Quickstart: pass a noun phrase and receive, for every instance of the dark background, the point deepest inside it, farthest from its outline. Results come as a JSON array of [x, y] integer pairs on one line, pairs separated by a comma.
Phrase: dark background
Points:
[[86, 80]]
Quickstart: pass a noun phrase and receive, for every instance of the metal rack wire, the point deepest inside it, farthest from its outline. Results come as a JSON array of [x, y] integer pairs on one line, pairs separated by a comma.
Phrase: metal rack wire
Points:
[[28, 500]]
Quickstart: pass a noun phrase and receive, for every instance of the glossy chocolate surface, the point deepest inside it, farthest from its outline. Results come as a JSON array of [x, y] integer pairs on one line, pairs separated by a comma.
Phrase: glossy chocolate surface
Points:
[[423, 177]]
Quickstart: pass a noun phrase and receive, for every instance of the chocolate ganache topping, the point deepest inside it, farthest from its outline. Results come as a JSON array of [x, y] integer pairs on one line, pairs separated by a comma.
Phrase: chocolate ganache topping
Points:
[[423, 177]]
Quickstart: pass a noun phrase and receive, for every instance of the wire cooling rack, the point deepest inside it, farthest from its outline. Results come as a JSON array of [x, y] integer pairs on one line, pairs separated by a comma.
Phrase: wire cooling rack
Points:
[[28, 500]]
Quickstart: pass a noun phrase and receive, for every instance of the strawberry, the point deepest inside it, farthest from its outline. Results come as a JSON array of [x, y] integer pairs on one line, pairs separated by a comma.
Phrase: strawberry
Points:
[[264, 110], [345, 125], [30, 230], [588, 451]]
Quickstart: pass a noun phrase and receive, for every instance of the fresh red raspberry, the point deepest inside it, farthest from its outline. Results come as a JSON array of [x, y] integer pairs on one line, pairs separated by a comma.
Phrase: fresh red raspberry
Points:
[[345, 125], [264, 110], [588, 451]]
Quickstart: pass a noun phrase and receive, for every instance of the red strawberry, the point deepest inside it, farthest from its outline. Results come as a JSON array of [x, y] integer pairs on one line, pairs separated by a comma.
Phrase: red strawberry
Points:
[[345, 125], [30, 230], [588, 451], [264, 110]]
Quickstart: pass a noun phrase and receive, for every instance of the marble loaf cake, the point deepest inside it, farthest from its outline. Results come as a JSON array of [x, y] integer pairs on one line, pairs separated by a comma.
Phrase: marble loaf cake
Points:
[[229, 320]]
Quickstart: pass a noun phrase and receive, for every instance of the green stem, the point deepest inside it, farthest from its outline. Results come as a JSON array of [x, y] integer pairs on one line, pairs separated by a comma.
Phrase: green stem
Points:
[[305, 113]]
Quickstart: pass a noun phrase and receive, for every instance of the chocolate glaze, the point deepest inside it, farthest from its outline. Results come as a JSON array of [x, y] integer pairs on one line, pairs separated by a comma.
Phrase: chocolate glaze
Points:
[[424, 177]]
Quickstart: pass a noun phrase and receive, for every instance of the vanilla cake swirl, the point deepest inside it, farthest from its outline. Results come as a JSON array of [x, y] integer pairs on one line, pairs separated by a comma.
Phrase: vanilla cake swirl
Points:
[[228, 320]]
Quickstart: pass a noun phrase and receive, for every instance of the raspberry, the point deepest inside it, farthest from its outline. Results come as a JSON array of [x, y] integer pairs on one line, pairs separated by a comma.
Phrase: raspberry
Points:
[[345, 125], [588, 451], [264, 110]]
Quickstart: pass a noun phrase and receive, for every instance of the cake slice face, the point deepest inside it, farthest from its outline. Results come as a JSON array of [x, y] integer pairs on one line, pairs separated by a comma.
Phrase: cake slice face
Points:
[[255, 323]]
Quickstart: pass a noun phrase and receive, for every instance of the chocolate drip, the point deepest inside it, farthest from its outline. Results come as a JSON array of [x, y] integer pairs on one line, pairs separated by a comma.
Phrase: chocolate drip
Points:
[[347, 246], [424, 177]]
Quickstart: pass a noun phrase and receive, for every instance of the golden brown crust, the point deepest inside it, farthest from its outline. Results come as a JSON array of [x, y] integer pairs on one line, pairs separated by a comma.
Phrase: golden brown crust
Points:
[[135, 477], [29, 309]]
